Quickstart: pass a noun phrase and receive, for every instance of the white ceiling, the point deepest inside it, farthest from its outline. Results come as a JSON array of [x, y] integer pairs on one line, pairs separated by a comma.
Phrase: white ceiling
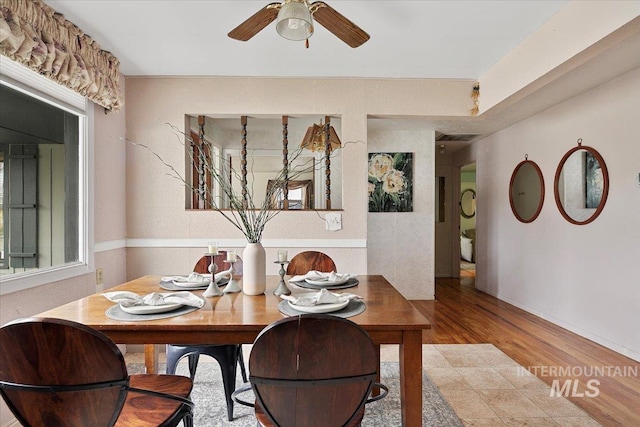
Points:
[[409, 39], [452, 39]]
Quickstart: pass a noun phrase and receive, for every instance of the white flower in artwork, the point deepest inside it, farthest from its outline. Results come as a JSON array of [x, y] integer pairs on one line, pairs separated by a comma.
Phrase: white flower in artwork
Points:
[[372, 188], [380, 165], [394, 182]]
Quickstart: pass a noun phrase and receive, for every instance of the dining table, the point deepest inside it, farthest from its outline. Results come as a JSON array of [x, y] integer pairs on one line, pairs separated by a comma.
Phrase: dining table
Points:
[[236, 318]]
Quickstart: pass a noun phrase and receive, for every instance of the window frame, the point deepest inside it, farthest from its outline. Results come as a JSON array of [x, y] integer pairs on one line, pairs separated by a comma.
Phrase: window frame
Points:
[[41, 88]]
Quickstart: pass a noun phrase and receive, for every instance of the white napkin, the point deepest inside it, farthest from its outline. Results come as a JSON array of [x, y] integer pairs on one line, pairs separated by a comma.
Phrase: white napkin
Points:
[[318, 275], [171, 278], [195, 277], [321, 297], [192, 278], [222, 274], [130, 299]]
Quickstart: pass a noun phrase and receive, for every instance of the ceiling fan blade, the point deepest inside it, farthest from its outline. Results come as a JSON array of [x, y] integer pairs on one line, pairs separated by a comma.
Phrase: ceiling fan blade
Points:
[[340, 26], [255, 23]]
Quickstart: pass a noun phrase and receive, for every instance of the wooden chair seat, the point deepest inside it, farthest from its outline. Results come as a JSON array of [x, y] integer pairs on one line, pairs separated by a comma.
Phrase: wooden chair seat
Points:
[[60, 373], [155, 409]]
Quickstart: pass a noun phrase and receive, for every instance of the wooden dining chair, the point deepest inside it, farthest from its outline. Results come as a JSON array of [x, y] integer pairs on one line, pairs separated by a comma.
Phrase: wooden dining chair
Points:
[[312, 370], [227, 356], [304, 262], [55, 372]]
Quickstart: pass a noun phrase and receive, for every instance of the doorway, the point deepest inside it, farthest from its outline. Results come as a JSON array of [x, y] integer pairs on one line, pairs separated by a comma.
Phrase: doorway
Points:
[[467, 212]]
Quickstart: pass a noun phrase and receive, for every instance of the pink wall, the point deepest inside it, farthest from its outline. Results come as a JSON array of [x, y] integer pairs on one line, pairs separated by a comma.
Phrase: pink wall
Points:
[[155, 202], [579, 277]]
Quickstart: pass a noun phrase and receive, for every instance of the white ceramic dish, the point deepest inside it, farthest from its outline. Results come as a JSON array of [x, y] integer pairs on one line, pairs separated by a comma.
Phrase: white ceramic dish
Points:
[[320, 308], [150, 309], [326, 282]]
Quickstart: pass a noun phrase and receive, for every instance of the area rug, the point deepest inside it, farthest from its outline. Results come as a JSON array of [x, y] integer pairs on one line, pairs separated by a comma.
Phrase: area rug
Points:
[[211, 411]]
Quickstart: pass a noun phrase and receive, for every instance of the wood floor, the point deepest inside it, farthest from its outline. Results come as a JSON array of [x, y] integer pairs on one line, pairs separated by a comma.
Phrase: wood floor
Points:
[[461, 314]]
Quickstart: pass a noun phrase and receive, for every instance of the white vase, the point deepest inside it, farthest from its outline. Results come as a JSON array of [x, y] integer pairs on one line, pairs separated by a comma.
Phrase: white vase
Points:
[[254, 269]]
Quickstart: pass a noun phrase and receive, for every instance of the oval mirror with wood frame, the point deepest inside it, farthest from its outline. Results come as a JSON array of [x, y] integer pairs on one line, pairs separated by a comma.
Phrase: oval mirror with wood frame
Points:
[[581, 184], [468, 203], [526, 191]]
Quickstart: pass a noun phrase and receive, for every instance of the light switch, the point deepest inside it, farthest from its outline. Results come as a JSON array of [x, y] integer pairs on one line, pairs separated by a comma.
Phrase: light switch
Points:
[[334, 221]]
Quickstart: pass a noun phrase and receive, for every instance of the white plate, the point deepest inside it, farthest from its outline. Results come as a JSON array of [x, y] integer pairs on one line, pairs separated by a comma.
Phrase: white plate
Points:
[[150, 309], [326, 282], [320, 308]]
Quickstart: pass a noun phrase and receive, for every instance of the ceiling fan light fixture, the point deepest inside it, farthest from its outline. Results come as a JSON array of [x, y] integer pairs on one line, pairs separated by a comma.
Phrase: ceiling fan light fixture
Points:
[[294, 21]]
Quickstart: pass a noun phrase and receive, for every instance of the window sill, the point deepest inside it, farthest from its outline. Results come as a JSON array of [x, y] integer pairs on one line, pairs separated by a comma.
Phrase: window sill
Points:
[[23, 281]]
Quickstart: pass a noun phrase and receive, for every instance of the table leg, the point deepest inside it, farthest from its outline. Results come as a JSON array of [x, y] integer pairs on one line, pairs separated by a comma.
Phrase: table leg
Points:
[[151, 358], [376, 391], [411, 378]]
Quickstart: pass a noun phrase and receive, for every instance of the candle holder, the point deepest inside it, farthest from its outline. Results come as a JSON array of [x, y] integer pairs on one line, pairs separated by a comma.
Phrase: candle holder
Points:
[[212, 290], [232, 286], [282, 288]]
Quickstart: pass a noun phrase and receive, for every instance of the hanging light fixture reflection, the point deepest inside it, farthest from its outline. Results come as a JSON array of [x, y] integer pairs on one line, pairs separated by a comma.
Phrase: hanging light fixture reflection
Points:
[[316, 138], [294, 20], [441, 149]]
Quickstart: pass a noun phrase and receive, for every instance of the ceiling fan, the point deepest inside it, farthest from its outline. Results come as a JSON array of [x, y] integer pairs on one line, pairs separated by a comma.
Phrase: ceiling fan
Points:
[[295, 22]]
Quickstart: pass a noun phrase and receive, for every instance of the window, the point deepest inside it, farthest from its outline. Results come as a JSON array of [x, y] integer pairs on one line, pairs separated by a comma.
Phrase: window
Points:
[[43, 215]]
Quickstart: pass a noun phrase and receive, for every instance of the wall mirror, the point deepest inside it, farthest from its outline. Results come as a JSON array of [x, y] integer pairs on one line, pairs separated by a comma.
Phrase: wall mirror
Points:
[[581, 184], [468, 203], [315, 180], [526, 191]]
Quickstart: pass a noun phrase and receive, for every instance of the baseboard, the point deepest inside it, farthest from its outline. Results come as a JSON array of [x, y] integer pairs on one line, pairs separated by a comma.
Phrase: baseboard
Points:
[[576, 330]]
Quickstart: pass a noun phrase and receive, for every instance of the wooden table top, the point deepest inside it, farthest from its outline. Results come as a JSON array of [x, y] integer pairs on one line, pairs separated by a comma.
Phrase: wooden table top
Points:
[[387, 314]]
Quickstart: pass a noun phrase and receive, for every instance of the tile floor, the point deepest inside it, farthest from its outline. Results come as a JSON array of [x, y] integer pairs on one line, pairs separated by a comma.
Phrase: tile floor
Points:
[[484, 387]]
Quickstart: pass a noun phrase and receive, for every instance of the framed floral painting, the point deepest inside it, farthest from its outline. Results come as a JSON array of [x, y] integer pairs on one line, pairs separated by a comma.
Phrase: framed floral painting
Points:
[[390, 182]]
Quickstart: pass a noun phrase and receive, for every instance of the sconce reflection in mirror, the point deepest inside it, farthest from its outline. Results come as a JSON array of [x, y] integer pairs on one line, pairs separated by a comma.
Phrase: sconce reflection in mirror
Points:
[[526, 191], [581, 184], [468, 203]]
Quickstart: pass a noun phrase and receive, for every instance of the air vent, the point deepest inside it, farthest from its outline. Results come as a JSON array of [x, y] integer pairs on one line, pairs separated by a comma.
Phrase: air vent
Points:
[[444, 137]]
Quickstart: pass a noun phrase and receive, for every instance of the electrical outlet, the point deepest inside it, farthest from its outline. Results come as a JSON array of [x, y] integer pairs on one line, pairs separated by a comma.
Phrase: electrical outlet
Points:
[[99, 276]]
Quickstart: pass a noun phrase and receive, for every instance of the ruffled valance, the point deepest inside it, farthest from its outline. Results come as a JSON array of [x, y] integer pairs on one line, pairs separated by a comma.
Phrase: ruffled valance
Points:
[[35, 35]]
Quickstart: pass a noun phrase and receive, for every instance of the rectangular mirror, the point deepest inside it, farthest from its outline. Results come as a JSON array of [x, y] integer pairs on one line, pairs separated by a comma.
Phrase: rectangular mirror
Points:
[[223, 138]]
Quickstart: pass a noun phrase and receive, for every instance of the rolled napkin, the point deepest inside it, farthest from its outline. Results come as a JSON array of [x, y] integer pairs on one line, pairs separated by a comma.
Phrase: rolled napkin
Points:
[[130, 299], [321, 297], [318, 275]]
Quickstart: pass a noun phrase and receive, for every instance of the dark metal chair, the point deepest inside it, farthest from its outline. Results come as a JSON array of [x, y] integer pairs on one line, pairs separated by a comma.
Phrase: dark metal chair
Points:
[[306, 261], [60, 373], [312, 370], [227, 356]]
